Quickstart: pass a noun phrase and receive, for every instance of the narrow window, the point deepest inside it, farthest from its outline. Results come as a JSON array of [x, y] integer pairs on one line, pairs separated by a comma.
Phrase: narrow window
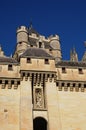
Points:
[[50, 50], [10, 67], [46, 61], [57, 84], [63, 70], [31, 45], [40, 45], [28, 60], [20, 42], [80, 71]]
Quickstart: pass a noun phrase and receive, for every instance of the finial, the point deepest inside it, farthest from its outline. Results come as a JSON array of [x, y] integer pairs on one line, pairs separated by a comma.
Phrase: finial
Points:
[[31, 23]]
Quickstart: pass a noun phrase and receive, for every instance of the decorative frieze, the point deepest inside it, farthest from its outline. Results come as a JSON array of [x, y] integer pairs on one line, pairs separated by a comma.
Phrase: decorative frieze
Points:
[[71, 86], [9, 83]]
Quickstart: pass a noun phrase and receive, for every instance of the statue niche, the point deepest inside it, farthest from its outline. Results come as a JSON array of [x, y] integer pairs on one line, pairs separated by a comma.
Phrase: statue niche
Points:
[[38, 98]]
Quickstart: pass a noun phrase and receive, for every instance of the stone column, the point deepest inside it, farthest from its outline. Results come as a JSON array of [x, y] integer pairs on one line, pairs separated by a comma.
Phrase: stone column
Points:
[[26, 121], [52, 105]]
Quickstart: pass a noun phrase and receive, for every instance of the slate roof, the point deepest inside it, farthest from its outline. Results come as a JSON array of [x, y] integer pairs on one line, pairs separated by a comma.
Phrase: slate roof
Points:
[[71, 64], [32, 30], [32, 41], [8, 60], [36, 53]]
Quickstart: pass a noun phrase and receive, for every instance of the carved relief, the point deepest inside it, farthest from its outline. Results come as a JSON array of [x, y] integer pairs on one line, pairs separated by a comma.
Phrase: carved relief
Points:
[[38, 97]]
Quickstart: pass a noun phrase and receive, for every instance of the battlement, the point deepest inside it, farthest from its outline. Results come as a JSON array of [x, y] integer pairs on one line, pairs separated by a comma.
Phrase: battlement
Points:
[[22, 29], [53, 37]]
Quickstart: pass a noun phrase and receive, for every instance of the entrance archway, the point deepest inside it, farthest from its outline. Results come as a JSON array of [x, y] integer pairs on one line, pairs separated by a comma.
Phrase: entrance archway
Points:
[[39, 123]]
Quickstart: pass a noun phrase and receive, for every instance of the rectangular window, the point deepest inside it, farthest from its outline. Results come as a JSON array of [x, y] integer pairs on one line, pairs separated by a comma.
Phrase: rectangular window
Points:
[[28, 60], [31, 45], [63, 70], [10, 67], [46, 61], [40, 44], [80, 71]]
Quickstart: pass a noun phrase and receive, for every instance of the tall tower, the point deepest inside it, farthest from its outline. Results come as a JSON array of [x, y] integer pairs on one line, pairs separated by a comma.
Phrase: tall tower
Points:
[[56, 49], [22, 40]]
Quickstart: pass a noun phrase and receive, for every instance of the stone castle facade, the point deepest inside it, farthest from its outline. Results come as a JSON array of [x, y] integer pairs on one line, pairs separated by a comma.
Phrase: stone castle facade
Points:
[[39, 90]]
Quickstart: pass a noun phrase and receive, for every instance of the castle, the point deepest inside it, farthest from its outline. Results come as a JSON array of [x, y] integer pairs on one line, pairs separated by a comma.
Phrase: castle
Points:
[[39, 90]]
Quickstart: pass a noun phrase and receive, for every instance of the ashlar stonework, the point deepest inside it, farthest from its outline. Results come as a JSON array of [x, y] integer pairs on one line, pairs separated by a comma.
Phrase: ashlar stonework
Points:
[[39, 90]]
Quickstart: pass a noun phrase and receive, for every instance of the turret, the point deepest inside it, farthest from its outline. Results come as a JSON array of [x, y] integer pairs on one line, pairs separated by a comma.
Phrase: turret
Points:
[[22, 40], [84, 57], [73, 55], [1, 52], [55, 45]]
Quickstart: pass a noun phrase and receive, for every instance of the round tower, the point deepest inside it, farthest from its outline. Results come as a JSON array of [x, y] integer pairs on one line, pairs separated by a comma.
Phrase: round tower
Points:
[[56, 49], [22, 39]]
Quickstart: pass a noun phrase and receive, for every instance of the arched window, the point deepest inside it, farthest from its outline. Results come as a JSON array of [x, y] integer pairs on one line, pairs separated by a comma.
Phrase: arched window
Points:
[[39, 123]]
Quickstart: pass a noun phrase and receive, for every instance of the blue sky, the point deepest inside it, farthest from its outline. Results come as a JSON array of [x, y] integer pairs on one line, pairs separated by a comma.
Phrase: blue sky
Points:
[[67, 18]]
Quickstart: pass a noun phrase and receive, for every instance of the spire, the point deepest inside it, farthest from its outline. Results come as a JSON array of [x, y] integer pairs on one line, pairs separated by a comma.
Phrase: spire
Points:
[[30, 23], [84, 57], [1, 52], [73, 55], [32, 30]]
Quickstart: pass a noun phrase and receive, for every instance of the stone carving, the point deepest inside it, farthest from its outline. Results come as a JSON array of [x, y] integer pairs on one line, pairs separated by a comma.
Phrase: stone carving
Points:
[[38, 98]]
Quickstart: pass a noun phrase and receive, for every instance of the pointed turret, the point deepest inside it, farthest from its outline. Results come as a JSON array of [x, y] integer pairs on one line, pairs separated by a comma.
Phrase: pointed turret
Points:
[[84, 57], [73, 55], [1, 52]]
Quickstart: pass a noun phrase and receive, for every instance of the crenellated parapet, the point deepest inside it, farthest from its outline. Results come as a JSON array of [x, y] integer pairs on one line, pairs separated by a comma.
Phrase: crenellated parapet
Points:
[[9, 83], [38, 77], [71, 86]]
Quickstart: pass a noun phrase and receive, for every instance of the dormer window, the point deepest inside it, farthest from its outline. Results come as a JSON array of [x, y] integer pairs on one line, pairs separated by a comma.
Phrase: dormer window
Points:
[[28, 60], [46, 61], [63, 70], [10, 67], [80, 71]]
